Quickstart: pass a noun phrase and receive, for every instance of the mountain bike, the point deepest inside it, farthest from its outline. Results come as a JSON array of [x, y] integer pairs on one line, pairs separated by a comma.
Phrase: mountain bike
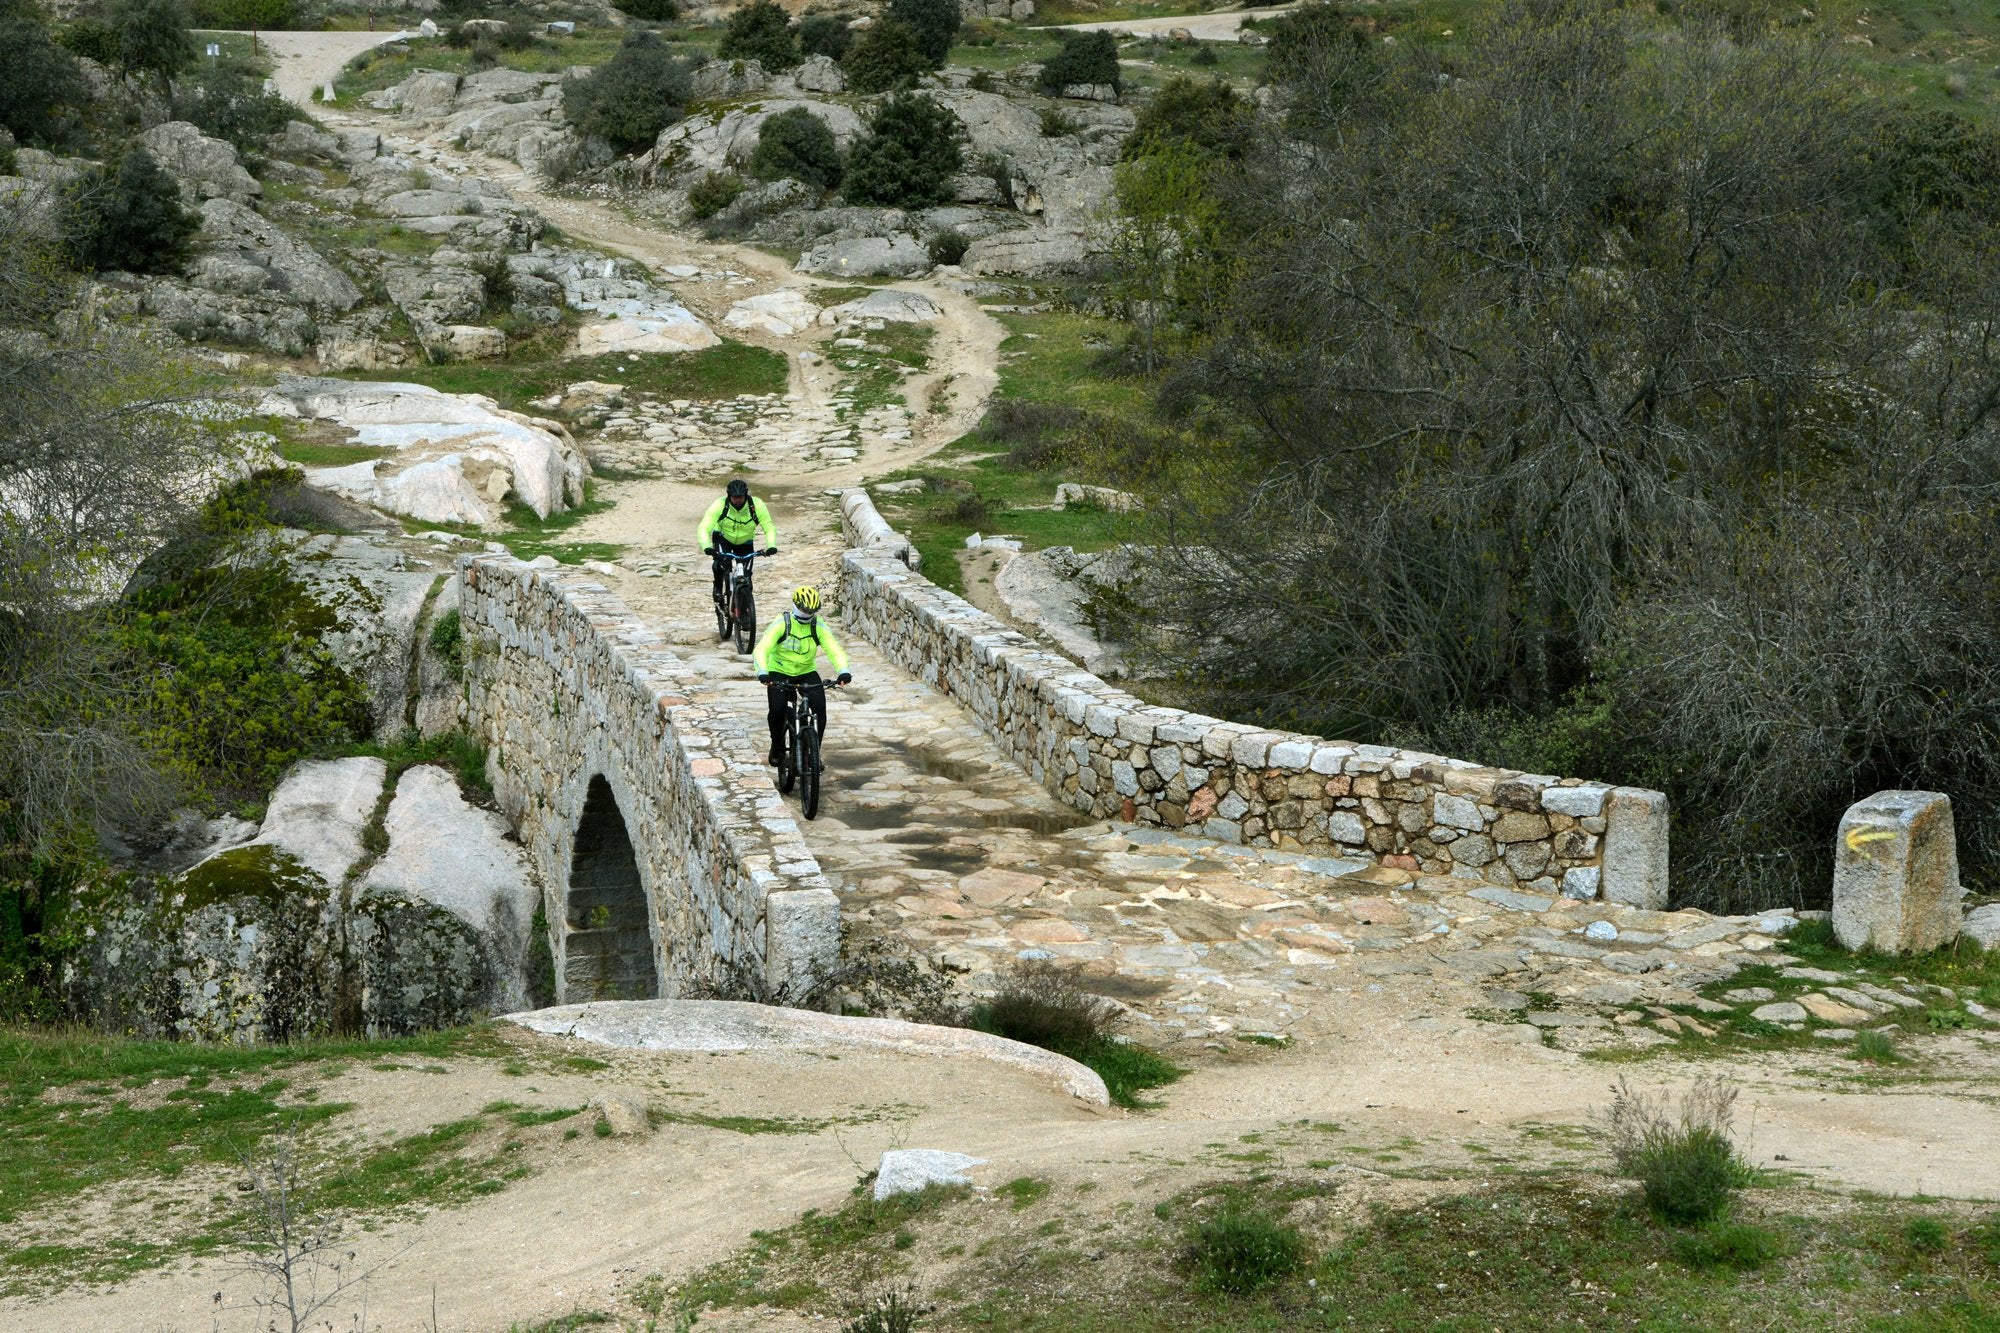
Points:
[[798, 757], [736, 604]]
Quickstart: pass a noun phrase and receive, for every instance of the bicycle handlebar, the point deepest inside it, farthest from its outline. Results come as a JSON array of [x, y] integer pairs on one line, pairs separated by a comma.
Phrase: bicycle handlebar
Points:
[[732, 555]]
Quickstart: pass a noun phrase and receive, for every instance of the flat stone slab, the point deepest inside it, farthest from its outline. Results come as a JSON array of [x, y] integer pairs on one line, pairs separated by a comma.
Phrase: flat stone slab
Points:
[[909, 1170], [730, 1025]]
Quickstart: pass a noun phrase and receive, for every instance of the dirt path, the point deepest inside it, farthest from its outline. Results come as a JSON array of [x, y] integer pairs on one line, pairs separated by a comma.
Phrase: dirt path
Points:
[[1222, 27], [308, 61]]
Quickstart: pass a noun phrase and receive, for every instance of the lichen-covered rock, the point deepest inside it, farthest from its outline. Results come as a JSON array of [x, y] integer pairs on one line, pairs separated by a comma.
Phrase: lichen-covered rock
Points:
[[234, 236], [240, 949], [377, 603], [316, 817], [448, 855], [897, 255], [458, 456], [207, 168]]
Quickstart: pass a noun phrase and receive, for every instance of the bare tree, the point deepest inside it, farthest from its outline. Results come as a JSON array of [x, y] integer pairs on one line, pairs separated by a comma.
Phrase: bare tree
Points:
[[308, 1271]]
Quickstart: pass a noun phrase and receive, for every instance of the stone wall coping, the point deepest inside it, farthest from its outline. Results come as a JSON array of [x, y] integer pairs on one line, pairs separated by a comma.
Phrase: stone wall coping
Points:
[[1073, 730]]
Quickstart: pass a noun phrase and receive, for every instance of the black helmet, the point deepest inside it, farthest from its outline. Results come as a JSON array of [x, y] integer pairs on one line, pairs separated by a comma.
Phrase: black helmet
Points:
[[739, 489]]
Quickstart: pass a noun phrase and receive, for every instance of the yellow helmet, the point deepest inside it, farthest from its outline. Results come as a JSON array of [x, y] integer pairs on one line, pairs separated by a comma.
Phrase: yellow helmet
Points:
[[806, 598]]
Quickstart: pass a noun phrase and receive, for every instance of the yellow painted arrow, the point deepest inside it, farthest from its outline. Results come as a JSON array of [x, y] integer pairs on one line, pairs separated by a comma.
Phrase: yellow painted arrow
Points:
[[1859, 835]]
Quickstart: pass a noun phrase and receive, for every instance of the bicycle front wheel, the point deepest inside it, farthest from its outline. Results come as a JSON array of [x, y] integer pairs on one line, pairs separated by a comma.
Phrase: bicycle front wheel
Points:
[[809, 771], [788, 762], [746, 617]]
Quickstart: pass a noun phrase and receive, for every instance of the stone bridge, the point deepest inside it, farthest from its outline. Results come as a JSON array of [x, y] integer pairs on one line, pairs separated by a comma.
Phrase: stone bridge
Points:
[[666, 856], [669, 860]]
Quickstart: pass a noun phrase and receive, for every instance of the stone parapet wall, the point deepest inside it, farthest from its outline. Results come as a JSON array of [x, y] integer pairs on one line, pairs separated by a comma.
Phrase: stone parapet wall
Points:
[[565, 684], [1114, 756]]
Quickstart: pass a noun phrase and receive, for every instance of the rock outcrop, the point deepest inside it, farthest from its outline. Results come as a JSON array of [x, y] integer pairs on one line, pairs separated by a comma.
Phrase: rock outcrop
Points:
[[275, 939], [458, 457], [206, 168]]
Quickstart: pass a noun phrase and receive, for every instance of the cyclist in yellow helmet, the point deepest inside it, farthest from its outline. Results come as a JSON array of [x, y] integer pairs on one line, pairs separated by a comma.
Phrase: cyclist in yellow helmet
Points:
[[731, 525], [787, 657]]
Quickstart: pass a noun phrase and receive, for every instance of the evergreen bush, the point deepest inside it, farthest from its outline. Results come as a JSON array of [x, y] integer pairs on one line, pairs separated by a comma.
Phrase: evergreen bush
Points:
[[798, 144], [631, 98], [762, 32], [886, 58], [825, 35], [909, 155], [131, 218], [714, 192], [1085, 58], [935, 24]]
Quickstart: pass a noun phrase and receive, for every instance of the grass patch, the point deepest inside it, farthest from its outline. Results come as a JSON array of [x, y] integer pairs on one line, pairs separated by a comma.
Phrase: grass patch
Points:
[[1241, 1251], [737, 1124], [796, 1266], [83, 1112], [1024, 1190], [727, 370]]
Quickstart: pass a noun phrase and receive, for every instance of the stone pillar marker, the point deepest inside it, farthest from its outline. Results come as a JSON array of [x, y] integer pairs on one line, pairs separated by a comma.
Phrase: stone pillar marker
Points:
[[1895, 873]]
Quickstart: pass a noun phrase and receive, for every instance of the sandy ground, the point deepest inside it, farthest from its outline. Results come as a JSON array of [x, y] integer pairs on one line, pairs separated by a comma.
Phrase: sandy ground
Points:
[[307, 61], [1226, 26]]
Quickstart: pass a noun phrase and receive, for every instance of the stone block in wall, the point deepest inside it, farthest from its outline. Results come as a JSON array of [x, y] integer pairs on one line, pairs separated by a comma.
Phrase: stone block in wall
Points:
[[1895, 873], [1635, 848]]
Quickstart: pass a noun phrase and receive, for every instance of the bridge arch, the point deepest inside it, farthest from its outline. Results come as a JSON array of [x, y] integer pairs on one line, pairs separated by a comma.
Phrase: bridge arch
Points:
[[609, 943], [666, 857]]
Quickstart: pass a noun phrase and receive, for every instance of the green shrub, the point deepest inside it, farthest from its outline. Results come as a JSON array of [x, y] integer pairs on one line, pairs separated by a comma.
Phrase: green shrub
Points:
[[1085, 57], [825, 35], [934, 22], [1240, 1251], [1208, 117], [982, 81], [448, 640], [714, 192], [890, 1312], [132, 219], [1926, 1235], [1057, 122], [43, 95], [153, 37], [92, 39], [948, 246], [1044, 1003], [761, 31], [265, 15], [909, 155], [629, 99], [1205, 55], [651, 11], [1875, 1047], [228, 101], [886, 58], [242, 684], [798, 144], [1735, 1245], [1686, 1165]]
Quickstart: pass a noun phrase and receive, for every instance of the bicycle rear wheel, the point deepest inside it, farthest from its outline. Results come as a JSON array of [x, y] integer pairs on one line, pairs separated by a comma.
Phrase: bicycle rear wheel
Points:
[[809, 771], [746, 617]]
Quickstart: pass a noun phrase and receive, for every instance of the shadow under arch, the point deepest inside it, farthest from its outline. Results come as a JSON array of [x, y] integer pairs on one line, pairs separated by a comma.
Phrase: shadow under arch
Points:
[[608, 952]]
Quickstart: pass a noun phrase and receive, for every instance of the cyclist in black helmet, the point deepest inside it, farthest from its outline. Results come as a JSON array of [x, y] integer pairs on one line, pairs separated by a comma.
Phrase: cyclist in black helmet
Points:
[[731, 524]]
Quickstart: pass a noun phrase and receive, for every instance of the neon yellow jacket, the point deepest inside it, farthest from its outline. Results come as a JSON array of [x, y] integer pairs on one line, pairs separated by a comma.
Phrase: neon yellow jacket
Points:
[[790, 646], [736, 525]]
